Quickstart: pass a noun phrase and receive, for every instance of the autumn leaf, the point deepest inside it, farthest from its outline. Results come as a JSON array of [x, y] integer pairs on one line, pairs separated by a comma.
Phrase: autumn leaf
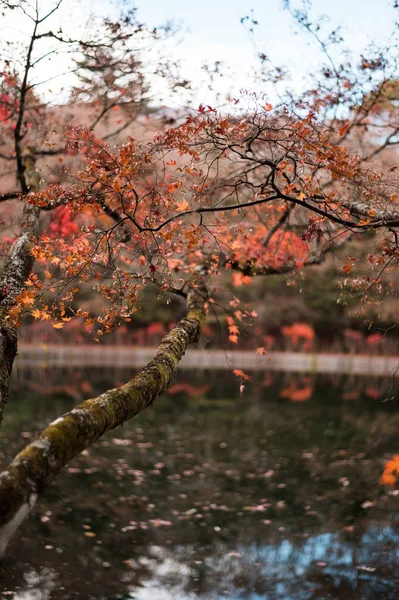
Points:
[[391, 472], [261, 351], [239, 373], [347, 269], [182, 206], [233, 339], [343, 130], [241, 279], [58, 325], [36, 313], [26, 298]]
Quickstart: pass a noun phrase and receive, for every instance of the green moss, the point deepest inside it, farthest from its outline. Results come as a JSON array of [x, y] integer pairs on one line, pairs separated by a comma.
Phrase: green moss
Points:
[[39, 463]]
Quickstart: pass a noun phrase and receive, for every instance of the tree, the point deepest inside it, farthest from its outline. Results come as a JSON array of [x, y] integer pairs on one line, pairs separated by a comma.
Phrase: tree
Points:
[[252, 192], [108, 76]]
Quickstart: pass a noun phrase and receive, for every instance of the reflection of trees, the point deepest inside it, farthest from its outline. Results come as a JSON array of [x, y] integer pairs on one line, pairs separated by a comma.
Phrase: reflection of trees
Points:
[[318, 566], [296, 387], [282, 489], [322, 564]]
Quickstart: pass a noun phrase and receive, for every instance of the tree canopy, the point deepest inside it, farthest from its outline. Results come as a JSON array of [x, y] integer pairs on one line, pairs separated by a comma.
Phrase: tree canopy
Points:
[[250, 189]]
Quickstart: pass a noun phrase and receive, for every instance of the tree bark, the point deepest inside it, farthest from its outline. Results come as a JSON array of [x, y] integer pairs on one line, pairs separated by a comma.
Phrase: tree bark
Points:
[[16, 271], [38, 464]]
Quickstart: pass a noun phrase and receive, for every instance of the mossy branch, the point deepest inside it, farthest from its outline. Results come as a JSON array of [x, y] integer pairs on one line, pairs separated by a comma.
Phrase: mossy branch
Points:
[[39, 463]]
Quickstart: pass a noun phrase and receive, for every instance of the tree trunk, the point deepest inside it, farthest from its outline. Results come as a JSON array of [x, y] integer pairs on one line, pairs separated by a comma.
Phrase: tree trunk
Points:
[[16, 270], [38, 464], [8, 351]]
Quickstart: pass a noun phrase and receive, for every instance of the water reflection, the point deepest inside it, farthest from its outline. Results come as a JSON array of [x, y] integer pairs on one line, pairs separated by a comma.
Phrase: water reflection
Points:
[[222, 496]]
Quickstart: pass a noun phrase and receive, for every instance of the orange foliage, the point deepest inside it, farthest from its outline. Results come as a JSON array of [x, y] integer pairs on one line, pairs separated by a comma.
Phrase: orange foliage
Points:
[[296, 393], [391, 472], [268, 342], [298, 332], [240, 279], [189, 389], [239, 373]]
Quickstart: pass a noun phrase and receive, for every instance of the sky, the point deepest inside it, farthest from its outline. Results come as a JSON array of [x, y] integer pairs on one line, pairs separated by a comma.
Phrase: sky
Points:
[[210, 30], [214, 30], [218, 21]]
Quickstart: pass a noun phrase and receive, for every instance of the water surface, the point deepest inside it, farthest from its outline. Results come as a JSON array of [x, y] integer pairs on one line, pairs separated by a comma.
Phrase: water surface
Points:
[[272, 495]]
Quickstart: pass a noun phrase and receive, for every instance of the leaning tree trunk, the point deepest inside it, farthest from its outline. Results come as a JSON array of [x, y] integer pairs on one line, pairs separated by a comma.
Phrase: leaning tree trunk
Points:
[[33, 469], [16, 270]]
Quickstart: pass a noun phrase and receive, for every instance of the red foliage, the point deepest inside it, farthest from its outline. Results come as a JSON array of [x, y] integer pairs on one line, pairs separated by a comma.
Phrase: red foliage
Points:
[[374, 338], [373, 393], [156, 329], [352, 335], [268, 341], [4, 108], [62, 223]]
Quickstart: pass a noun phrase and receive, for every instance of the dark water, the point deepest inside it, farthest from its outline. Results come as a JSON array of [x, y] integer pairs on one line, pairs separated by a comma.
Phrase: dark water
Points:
[[274, 495]]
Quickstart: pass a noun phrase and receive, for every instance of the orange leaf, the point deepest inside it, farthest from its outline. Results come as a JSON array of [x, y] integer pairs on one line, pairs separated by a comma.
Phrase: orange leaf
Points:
[[391, 471], [183, 205], [347, 269], [26, 298], [240, 373], [343, 129]]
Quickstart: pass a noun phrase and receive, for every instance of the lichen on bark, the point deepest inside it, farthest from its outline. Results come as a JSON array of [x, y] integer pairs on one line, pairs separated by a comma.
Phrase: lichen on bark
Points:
[[15, 272]]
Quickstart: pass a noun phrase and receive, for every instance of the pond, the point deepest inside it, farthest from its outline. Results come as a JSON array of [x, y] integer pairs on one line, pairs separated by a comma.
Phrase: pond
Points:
[[210, 495]]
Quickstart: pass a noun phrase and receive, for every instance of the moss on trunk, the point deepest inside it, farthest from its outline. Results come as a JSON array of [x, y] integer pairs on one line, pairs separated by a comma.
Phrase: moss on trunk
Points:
[[37, 465], [16, 270]]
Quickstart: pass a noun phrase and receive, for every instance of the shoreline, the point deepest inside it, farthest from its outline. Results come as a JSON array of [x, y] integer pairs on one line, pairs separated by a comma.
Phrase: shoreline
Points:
[[90, 355]]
